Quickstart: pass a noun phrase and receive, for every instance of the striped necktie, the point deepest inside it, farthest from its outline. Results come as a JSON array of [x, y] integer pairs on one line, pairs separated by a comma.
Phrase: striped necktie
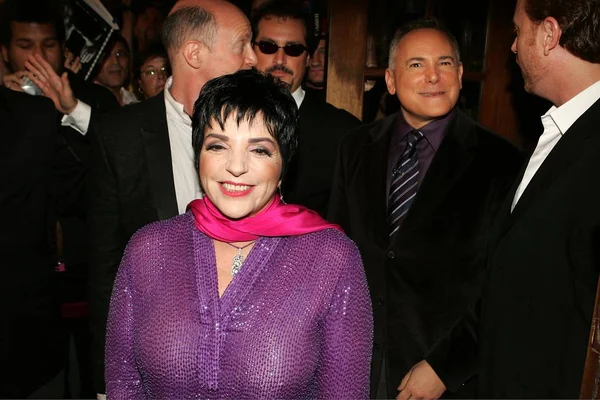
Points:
[[405, 181]]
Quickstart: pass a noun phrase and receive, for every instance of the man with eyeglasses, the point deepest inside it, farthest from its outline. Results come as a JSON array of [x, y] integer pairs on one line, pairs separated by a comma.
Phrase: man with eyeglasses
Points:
[[114, 71], [283, 41]]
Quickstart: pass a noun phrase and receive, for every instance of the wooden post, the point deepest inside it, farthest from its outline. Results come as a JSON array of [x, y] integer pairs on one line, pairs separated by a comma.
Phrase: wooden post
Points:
[[347, 52], [590, 383], [496, 108]]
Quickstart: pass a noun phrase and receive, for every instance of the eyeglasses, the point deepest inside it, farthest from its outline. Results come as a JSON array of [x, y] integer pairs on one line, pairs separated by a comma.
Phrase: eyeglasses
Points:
[[292, 50], [164, 71]]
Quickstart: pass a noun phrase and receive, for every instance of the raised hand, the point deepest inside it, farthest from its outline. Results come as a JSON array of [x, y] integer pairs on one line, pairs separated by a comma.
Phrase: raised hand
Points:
[[14, 81], [57, 88]]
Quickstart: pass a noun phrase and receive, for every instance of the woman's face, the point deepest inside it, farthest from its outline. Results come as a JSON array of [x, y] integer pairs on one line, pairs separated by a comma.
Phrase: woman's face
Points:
[[153, 75], [240, 167]]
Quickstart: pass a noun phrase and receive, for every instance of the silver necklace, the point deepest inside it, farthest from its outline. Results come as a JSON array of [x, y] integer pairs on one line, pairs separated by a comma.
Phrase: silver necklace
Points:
[[238, 259]]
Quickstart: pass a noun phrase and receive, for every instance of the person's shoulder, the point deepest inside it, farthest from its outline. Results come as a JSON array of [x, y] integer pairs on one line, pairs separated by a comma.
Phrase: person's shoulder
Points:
[[128, 119], [331, 242], [367, 133], [486, 138], [329, 111], [96, 96], [13, 100], [161, 233]]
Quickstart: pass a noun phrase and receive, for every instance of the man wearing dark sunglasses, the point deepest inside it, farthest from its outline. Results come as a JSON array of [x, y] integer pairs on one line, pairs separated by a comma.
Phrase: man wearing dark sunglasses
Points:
[[283, 41]]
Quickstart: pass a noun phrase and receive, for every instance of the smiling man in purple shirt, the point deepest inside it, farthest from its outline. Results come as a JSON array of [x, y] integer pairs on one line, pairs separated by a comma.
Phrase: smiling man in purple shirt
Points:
[[416, 192]]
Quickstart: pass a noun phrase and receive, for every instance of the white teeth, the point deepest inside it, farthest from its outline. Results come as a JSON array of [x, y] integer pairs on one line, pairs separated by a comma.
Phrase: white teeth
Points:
[[235, 188]]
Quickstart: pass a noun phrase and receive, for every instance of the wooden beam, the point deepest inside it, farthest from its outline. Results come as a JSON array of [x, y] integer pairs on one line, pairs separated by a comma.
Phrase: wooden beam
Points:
[[346, 56], [497, 107]]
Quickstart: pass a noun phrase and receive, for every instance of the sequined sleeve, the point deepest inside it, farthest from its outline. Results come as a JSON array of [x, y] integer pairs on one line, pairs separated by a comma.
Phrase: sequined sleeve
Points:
[[348, 333], [123, 380]]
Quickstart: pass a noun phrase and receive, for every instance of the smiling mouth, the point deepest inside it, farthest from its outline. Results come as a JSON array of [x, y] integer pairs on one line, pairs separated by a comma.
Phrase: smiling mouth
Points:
[[235, 190], [432, 94]]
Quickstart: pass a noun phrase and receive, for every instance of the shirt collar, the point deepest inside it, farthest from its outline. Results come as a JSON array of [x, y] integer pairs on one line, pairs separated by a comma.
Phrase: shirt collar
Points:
[[433, 132], [298, 96], [566, 115], [128, 97], [174, 109]]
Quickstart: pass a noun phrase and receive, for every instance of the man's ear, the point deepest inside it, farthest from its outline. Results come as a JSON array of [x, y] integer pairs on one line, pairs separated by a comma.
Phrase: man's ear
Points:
[[195, 53], [552, 33], [390, 82]]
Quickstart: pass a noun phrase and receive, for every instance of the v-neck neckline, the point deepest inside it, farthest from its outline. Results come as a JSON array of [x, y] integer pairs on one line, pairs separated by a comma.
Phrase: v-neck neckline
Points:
[[205, 265]]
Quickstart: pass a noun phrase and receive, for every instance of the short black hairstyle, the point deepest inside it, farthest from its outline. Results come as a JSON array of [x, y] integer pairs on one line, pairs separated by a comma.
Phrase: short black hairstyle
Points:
[[247, 95], [30, 11], [288, 9]]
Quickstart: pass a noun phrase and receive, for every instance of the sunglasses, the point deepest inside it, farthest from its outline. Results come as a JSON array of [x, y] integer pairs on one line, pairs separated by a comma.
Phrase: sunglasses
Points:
[[292, 50]]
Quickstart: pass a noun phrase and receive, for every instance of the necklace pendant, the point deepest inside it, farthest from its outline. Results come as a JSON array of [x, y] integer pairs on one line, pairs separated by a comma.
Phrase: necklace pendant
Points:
[[237, 262]]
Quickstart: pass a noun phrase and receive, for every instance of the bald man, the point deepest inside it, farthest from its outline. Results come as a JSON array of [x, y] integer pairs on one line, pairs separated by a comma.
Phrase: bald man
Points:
[[143, 165]]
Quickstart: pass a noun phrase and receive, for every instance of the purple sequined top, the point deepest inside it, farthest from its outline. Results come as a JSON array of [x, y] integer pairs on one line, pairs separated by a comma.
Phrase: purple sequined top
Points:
[[295, 322]]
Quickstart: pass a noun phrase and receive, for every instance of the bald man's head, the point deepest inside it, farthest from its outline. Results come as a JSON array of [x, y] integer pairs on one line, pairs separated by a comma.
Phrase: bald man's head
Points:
[[187, 21], [206, 39], [197, 20]]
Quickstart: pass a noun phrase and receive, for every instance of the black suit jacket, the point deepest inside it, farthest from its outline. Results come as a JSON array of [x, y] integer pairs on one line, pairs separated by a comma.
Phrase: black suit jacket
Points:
[[424, 280], [131, 185], [74, 224], [543, 268], [37, 172], [321, 127]]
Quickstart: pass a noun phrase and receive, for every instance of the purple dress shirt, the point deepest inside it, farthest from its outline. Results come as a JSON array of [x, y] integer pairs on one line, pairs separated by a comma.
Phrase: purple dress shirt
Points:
[[434, 133], [295, 322]]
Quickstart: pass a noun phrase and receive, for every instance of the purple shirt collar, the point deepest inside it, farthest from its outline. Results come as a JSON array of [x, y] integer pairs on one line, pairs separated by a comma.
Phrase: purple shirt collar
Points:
[[434, 133]]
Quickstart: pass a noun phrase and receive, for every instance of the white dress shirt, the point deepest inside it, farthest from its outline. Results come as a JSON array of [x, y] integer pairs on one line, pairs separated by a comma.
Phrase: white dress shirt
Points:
[[298, 95], [128, 97], [185, 172], [556, 123], [79, 119]]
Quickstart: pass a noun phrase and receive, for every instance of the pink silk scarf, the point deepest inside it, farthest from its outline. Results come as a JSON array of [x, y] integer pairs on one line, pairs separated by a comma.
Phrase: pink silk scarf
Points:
[[277, 219]]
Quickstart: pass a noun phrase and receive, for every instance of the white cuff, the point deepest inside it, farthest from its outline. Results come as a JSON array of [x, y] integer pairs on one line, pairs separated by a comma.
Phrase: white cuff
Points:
[[79, 119]]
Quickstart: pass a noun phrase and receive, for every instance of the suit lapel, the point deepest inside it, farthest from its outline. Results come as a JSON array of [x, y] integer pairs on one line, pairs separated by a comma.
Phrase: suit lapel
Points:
[[562, 156], [374, 197], [447, 167], [155, 134]]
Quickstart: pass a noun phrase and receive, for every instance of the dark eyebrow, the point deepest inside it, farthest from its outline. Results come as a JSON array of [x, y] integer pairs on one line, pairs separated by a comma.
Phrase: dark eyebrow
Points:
[[420, 59], [415, 59], [217, 136], [446, 58], [251, 140], [261, 139]]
